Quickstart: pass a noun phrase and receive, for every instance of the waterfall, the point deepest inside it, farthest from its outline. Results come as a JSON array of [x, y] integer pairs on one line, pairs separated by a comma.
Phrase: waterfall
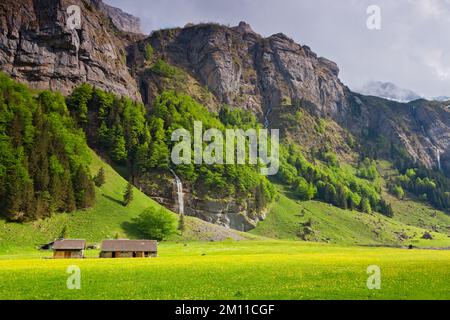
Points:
[[438, 157], [266, 117], [180, 195]]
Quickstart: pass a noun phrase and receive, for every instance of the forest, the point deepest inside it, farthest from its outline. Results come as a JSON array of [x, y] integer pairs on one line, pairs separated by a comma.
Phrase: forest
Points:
[[43, 157]]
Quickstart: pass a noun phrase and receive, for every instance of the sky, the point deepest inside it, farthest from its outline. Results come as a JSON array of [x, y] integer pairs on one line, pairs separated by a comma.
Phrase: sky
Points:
[[411, 48]]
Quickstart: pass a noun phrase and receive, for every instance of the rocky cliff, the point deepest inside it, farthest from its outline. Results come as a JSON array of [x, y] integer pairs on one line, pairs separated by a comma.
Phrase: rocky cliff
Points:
[[243, 69], [121, 20], [238, 213], [38, 47]]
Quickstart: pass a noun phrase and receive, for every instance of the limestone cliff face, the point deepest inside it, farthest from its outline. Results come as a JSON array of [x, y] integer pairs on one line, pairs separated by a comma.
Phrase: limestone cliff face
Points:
[[431, 124], [421, 127], [270, 76], [246, 70], [121, 20], [38, 48]]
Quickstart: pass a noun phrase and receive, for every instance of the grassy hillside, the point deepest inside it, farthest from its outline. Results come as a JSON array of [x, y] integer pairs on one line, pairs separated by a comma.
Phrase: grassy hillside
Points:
[[317, 221], [106, 219], [410, 210], [237, 270], [288, 219]]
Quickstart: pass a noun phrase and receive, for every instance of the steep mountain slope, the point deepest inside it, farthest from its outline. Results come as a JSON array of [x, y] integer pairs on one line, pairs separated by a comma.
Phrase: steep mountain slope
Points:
[[38, 48]]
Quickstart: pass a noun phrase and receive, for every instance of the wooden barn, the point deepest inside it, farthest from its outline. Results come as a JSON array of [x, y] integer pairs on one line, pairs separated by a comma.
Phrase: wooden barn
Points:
[[128, 248], [68, 248]]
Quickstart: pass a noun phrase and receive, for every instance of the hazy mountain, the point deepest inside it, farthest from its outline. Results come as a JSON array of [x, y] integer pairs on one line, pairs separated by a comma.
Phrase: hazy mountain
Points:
[[441, 98], [388, 90]]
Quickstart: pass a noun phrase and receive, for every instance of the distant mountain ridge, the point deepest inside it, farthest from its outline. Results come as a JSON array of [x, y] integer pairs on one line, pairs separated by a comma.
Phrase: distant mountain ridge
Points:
[[390, 91]]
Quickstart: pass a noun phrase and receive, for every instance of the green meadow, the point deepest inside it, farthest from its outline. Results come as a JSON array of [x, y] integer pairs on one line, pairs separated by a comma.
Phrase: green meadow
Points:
[[212, 262], [236, 270]]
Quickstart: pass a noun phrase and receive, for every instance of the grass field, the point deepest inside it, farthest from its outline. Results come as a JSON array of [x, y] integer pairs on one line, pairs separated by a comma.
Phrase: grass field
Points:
[[237, 270], [262, 268]]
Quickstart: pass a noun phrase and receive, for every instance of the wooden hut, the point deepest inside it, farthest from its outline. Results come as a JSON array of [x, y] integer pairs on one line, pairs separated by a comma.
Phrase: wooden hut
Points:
[[68, 249], [128, 248]]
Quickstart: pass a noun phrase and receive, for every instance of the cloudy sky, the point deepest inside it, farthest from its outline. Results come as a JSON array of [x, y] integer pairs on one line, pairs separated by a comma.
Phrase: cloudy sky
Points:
[[412, 48]]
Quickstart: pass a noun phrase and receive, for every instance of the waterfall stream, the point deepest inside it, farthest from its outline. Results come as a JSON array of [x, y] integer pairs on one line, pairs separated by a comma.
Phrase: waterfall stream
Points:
[[266, 117], [438, 157], [180, 195]]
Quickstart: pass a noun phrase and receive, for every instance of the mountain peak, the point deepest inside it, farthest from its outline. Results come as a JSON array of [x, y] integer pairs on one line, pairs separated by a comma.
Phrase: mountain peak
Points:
[[121, 20], [388, 90], [245, 27]]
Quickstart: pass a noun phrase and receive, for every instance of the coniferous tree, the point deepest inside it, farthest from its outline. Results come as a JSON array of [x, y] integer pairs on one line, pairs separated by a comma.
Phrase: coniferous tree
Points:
[[119, 151], [99, 179], [84, 189], [128, 195], [350, 203], [78, 102], [385, 208], [341, 197], [365, 206]]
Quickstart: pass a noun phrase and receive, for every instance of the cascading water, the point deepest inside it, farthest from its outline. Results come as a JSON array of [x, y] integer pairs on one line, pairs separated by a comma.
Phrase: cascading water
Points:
[[180, 194], [438, 157], [266, 117]]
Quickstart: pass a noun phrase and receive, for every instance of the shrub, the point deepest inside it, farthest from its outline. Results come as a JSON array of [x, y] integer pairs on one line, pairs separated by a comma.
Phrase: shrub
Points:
[[156, 224], [330, 158], [399, 192], [148, 51], [164, 69], [305, 190]]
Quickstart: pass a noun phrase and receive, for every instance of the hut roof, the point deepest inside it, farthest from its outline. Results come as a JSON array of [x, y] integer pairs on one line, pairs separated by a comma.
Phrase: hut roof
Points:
[[69, 244], [129, 245]]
